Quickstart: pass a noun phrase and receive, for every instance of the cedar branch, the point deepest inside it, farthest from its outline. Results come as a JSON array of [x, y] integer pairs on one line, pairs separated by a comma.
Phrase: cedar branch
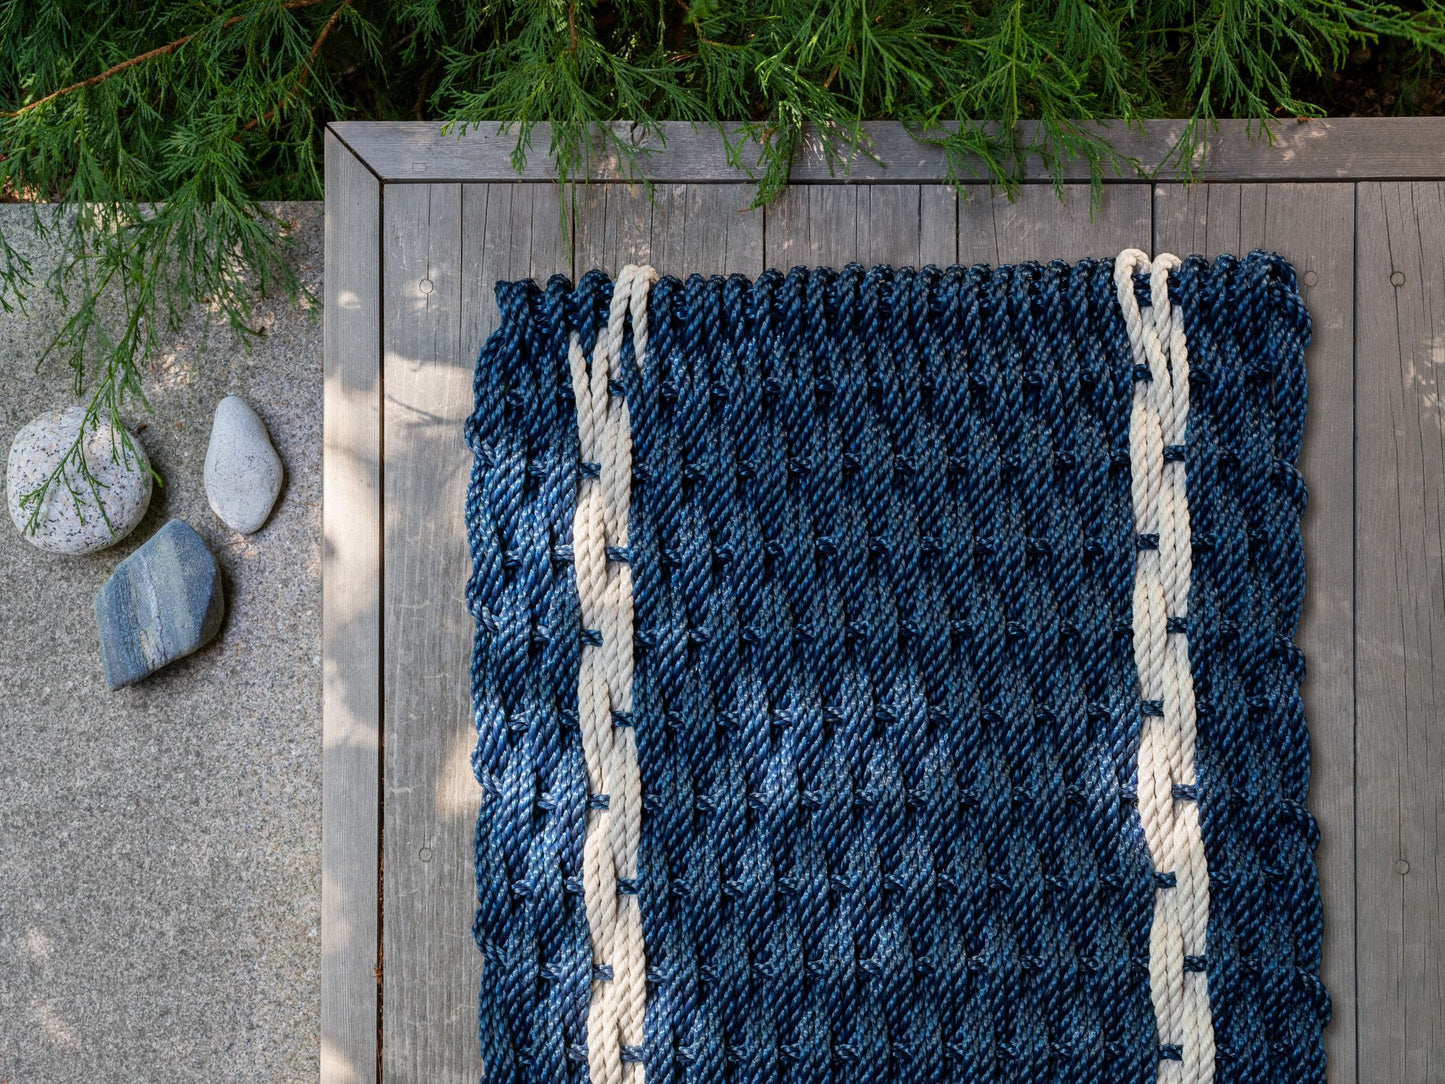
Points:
[[265, 118], [141, 58]]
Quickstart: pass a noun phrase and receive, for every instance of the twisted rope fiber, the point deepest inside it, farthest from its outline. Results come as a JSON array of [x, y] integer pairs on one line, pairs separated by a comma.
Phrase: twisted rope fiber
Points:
[[1167, 739], [885, 702], [604, 589]]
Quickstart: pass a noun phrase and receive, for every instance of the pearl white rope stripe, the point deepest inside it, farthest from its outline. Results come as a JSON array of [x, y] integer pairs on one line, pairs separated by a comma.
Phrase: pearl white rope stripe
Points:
[[604, 589], [1161, 655]]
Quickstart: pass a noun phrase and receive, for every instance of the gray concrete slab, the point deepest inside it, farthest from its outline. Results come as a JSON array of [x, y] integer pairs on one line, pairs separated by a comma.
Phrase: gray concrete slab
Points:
[[160, 875]]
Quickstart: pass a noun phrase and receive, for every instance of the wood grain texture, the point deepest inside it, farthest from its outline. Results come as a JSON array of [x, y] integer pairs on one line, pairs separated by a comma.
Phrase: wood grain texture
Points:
[[443, 246], [351, 630], [431, 965], [1041, 224], [1400, 630], [1313, 227], [905, 225], [681, 229], [509, 232], [1375, 147]]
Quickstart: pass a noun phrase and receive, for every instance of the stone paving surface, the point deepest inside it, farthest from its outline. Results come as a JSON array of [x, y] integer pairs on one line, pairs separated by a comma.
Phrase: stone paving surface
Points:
[[160, 865]]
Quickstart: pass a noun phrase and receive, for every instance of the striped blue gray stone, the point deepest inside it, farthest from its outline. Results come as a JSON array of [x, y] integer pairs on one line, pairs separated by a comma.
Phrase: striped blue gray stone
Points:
[[162, 602]]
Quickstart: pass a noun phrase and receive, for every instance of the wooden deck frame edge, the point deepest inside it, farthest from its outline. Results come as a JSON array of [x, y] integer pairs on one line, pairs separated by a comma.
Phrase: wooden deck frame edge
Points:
[[351, 805], [1353, 149]]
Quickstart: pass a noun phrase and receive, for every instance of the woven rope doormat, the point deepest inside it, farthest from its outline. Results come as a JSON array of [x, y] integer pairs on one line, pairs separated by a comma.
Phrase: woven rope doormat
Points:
[[889, 675]]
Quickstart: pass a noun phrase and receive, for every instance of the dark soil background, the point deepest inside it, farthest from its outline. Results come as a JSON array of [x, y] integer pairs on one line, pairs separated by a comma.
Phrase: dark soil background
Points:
[[1382, 80]]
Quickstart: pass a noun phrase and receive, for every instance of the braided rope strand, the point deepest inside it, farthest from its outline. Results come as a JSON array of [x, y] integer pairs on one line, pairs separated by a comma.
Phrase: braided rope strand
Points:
[[1167, 809], [604, 699]]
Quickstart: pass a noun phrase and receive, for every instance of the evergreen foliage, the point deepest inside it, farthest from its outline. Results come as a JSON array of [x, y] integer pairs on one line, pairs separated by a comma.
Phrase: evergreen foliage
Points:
[[159, 128]]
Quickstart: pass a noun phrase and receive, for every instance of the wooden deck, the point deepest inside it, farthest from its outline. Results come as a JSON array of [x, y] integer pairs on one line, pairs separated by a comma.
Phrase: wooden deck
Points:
[[418, 228]]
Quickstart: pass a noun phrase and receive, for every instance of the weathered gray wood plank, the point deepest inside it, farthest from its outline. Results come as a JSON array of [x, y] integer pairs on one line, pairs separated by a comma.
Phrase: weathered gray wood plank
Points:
[[509, 232], [427, 1017], [612, 226], [1375, 147], [938, 225], [1042, 225], [1212, 219], [906, 225], [444, 247], [351, 631], [1400, 623], [817, 226], [1314, 227], [708, 229], [682, 229], [895, 223]]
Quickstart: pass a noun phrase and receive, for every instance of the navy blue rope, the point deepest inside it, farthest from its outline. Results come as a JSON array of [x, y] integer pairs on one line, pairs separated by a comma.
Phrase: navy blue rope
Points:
[[884, 697], [1247, 329]]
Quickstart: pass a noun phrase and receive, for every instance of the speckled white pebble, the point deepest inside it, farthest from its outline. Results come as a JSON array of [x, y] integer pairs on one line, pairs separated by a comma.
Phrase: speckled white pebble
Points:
[[73, 523], [243, 471]]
